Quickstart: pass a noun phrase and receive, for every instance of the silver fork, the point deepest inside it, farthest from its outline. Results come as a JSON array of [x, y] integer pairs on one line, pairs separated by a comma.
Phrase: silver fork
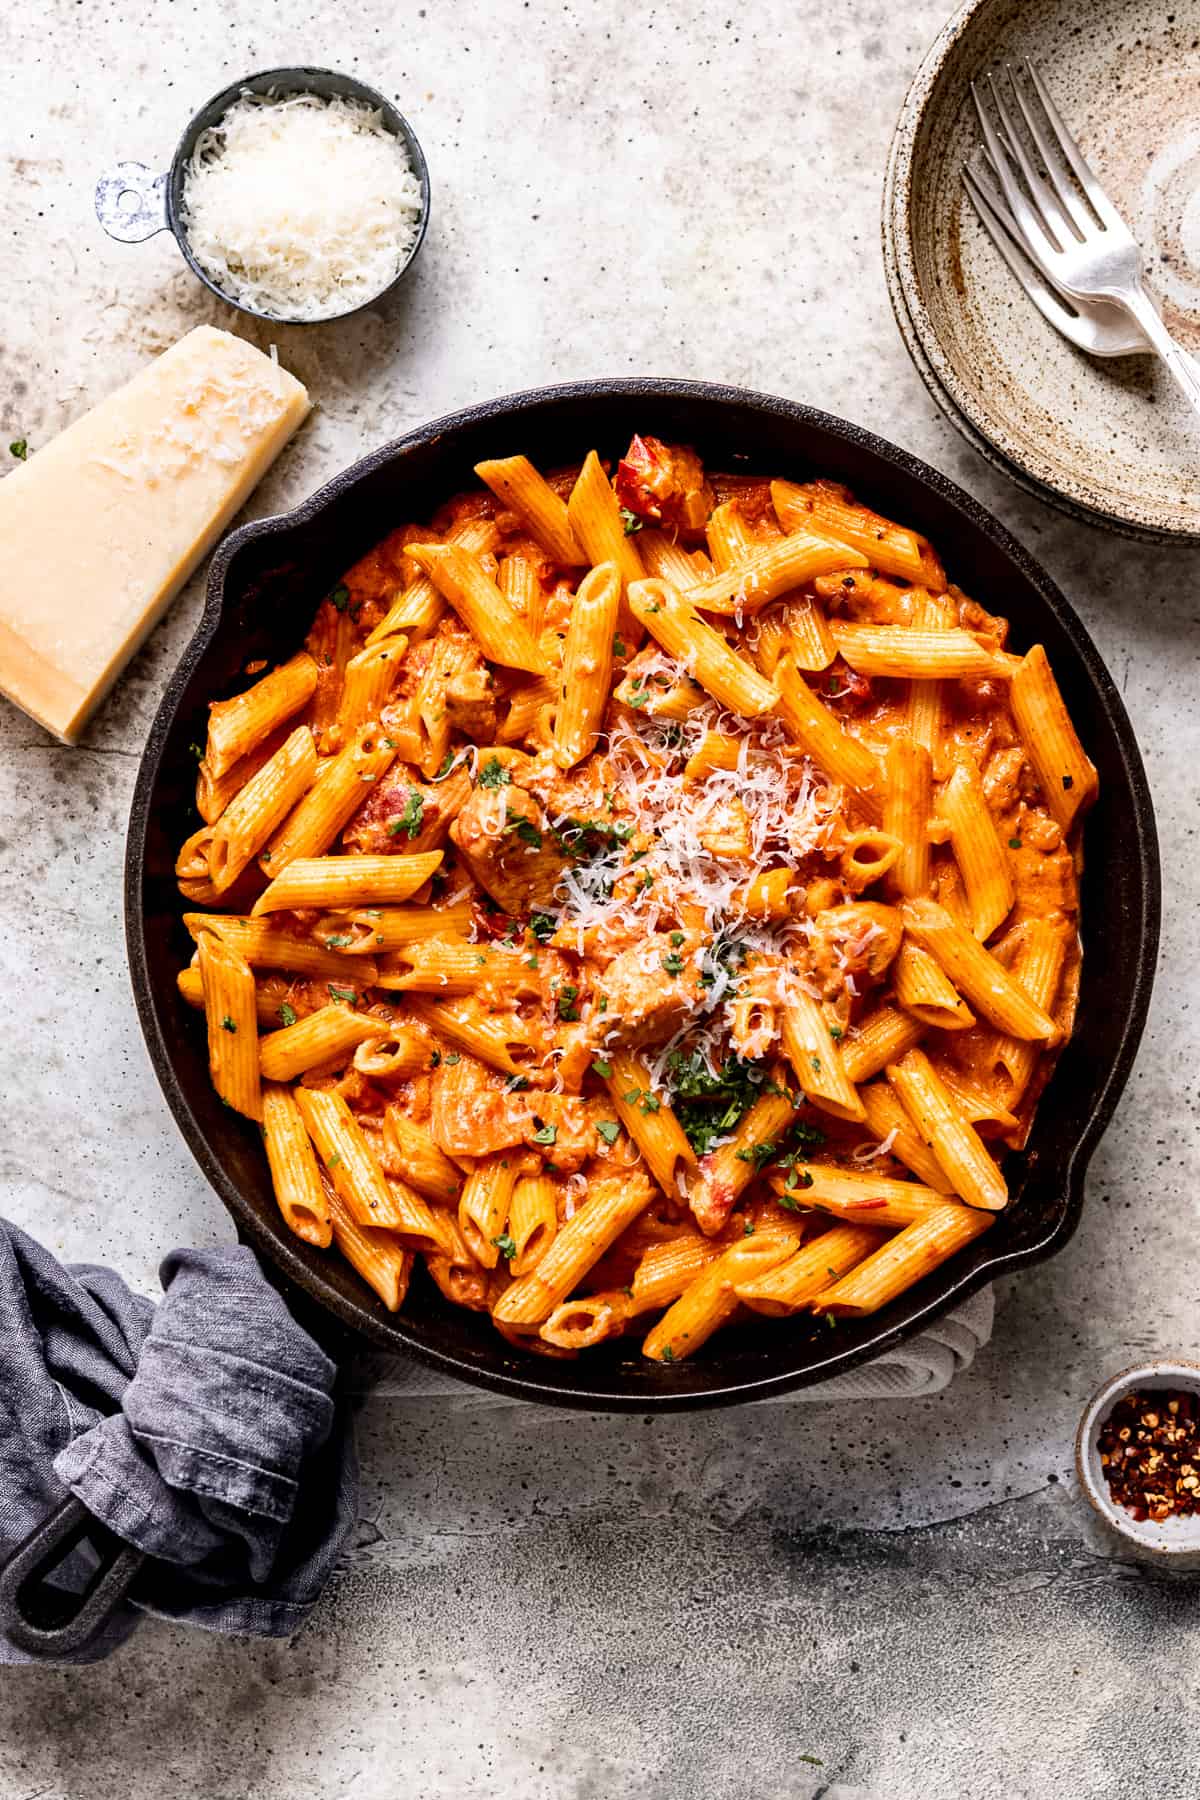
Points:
[[1089, 254], [1096, 326]]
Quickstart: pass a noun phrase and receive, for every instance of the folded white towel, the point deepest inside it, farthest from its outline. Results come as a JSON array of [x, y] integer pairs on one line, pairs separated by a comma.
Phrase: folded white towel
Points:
[[923, 1366]]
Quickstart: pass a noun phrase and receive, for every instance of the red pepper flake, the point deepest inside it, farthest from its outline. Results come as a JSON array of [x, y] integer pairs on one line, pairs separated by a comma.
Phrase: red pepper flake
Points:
[[863, 1205], [1150, 1453]]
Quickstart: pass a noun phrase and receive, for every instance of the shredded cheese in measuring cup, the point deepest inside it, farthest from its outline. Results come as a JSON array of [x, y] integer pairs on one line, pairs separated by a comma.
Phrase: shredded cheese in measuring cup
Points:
[[300, 207]]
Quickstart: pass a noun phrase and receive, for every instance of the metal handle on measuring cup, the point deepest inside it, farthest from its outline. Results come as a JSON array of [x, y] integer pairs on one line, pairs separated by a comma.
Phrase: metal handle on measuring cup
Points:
[[130, 220]]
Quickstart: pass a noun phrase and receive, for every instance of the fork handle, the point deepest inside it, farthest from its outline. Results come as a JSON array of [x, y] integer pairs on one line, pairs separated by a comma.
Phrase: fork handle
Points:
[[1179, 364]]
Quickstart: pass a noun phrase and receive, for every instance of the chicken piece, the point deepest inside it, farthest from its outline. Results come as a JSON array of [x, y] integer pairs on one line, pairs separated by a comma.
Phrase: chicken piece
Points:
[[473, 1111], [664, 484], [651, 990], [471, 704], [573, 1122], [505, 841], [400, 814], [859, 940]]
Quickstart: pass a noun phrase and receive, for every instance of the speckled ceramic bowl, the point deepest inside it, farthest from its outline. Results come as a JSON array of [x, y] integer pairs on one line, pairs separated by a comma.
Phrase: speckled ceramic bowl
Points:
[[1174, 1541], [1109, 441]]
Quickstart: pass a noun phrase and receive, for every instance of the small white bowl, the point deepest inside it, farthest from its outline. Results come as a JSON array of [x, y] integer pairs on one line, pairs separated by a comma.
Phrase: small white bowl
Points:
[[1174, 1540]]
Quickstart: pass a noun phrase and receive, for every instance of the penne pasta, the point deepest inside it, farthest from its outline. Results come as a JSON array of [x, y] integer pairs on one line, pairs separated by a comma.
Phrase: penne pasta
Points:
[[891, 1126], [342, 882], [330, 802], [728, 1170], [612, 1203], [595, 519], [646, 1116], [857, 1196], [369, 679], [753, 580], [907, 653], [1066, 776], [367, 1194], [497, 627], [903, 1261], [815, 1058], [673, 622], [418, 1159], [514, 480], [297, 1180], [809, 1271], [882, 1037], [250, 820], [711, 1299], [1037, 969], [483, 1206], [925, 990], [329, 1035], [237, 727], [418, 607], [907, 805], [587, 665], [232, 1018], [825, 739], [983, 982], [378, 1256], [954, 1141], [981, 857], [532, 1221], [821, 506], [268, 946]]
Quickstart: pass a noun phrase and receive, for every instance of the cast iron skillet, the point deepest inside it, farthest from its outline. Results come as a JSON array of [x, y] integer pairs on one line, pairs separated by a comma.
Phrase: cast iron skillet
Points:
[[264, 586]]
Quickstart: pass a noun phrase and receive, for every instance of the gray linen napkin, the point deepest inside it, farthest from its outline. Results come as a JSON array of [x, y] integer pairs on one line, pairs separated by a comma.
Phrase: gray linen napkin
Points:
[[203, 1430]]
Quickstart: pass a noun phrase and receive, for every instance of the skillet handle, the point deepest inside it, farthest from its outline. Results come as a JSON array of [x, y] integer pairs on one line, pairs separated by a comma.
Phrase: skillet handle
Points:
[[48, 1621]]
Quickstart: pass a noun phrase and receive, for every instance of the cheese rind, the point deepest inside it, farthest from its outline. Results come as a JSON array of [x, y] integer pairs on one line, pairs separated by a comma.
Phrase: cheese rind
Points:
[[101, 528]]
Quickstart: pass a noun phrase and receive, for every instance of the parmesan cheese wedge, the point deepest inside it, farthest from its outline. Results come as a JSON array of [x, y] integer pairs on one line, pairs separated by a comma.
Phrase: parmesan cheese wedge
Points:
[[101, 528]]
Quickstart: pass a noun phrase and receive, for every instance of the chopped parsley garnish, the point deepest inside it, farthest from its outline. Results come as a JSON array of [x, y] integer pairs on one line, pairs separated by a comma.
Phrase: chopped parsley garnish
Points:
[[620, 648], [630, 521], [435, 1059], [676, 939], [347, 994], [524, 829], [334, 1160], [505, 1246], [836, 1032], [517, 1084], [341, 597], [673, 963], [543, 926], [602, 1069], [1014, 843], [758, 1154], [567, 997], [197, 751], [410, 818], [493, 774], [227, 1024], [707, 1105], [609, 1130], [816, 1063], [650, 1103], [448, 762], [19, 448], [451, 1058], [287, 1014], [748, 1229], [338, 942], [546, 1134], [668, 1355]]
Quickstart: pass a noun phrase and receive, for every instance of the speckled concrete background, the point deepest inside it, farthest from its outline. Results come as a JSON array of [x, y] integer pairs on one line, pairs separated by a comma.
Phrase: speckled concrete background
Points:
[[903, 1602]]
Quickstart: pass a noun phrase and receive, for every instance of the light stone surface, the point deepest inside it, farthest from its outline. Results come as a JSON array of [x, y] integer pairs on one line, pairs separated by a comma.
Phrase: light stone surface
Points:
[[566, 1606]]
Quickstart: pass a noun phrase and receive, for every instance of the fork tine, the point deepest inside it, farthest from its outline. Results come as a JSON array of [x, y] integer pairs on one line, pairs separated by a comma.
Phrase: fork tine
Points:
[[1105, 211], [1037, 244], [1056, 221], [999, 227], [1052, 161]]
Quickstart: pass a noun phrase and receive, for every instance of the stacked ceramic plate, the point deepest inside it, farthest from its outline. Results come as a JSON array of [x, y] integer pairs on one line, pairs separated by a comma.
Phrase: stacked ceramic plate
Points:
[[1109, 441]]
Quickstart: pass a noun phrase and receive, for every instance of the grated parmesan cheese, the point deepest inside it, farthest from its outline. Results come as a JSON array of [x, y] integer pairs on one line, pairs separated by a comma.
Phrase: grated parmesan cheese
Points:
[[302, 208]]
